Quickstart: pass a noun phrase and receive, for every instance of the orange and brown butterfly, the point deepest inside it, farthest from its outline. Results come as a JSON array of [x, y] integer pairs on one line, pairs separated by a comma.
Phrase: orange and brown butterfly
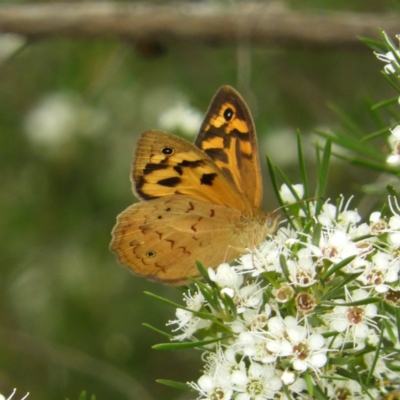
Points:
[[199, 202], [395, 395], [391, 390]]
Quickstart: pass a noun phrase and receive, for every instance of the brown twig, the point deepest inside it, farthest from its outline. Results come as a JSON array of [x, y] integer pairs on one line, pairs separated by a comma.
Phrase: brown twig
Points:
[[256, 23]]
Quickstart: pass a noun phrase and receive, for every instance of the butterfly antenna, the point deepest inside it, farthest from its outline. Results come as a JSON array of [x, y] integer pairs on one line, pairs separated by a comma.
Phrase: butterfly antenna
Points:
[[298, 202]]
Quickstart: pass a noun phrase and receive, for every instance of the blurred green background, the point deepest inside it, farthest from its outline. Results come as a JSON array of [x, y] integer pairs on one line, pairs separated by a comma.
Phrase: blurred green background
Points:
[[70, 112]]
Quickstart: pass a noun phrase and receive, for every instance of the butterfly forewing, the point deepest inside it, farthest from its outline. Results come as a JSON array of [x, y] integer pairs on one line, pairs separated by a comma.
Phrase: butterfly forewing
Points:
[[228, 137], [166, 165]]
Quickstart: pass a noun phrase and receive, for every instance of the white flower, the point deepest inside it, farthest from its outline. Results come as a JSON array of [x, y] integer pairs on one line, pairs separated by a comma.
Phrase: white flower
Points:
[[277, 341], [257, 320], [394, 222], [375, 216], [262, 354], [304, 347], [210, 389], [288, 377], [259, 383], [393, 159], [377, 224], [381, 271], [354, 320], [349, 218], [284, 294], [327, 215], [298, 386], [347, 389], [264, 258], [12, 395], [338, 216], [373, 338], [194, 301], [394, 138], [186, 320], [181, 116], [308, 349], [287, 196], [394, 143], [250, 330], [248, 297], [302, 271], [224, 276], [356, 266], [380, 370], [335, 245], [221, 370], [58, 118], [389, 58], [188, 323]]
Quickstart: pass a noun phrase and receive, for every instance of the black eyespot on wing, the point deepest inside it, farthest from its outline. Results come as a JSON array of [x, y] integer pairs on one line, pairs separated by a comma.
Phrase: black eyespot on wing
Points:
[[170, 182], [150, 254], [228, 114], [168, 151], [207, 179]]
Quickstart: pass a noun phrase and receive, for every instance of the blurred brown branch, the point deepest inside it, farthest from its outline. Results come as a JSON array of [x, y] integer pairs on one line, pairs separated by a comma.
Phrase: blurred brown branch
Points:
[[257, 23]]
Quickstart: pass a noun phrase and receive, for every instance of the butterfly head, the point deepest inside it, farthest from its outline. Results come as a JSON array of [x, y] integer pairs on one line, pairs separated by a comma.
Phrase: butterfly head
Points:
[[271, 222]]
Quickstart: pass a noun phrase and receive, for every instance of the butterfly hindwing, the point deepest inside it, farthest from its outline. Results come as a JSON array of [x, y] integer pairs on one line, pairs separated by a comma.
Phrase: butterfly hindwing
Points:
[[162, 238], [227, 135]]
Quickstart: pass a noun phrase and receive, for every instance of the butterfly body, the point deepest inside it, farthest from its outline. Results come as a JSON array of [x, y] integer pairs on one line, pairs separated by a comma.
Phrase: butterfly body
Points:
[[197, 204]]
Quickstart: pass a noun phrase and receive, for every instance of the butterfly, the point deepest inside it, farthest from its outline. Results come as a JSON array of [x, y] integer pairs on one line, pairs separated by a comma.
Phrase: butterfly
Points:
[[199, 202]]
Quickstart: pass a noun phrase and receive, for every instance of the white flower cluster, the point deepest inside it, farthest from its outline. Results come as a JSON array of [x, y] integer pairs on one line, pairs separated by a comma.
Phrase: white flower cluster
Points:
[[394, 143], [390, 58], [181, 116], [12, 395], [305, 307]]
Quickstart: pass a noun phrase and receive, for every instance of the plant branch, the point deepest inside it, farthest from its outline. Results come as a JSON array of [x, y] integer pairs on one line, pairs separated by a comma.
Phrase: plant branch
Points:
[[255, 23]]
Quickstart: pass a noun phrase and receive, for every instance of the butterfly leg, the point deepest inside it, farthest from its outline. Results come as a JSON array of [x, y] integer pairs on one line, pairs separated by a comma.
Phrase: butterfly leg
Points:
[[233, 252]]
